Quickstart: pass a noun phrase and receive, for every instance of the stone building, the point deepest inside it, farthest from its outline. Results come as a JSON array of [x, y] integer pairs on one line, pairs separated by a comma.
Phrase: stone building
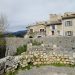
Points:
[[68, 24], [37, 30], [54, 25], [57, 25]]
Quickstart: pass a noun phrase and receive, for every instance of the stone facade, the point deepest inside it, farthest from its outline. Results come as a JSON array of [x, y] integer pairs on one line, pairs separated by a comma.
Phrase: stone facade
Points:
[[57, 25], [51, 57], [37, 30], [54, 25], [68, 23]]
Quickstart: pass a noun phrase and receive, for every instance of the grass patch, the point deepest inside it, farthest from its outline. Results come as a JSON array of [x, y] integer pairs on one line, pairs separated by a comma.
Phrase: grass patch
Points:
[[10, 73], [30, 65], [59, 65], [55, 64]]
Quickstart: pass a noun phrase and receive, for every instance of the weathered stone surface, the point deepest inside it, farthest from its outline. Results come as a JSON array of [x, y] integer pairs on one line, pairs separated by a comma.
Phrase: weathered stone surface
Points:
[[52, 50], [49, 44]]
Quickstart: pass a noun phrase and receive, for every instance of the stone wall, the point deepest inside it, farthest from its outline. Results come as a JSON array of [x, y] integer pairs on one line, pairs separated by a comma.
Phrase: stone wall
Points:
[[52, 57], [11, 63], [64, 43], [8, 63], [52, 50], [13, 43]]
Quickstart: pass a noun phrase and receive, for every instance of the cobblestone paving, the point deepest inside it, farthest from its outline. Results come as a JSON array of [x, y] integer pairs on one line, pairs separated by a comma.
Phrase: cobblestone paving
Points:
[[49, 70]]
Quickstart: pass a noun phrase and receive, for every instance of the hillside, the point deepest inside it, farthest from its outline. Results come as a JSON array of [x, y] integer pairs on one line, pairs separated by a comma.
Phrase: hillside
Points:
[[16, 34]]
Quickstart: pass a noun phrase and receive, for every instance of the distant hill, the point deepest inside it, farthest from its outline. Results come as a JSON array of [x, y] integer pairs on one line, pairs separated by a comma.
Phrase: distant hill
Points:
[[17, 34]]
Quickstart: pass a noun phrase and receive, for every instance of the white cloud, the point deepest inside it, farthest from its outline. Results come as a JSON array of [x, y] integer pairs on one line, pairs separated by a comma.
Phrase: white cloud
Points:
[[23, 12]]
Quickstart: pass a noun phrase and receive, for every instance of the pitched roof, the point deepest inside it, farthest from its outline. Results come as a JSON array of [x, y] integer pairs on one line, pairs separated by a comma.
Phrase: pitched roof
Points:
[[68, 16], [55, 23], [37, 23]]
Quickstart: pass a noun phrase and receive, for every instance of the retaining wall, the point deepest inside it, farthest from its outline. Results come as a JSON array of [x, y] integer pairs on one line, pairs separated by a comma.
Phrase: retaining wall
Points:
[[64, 43]]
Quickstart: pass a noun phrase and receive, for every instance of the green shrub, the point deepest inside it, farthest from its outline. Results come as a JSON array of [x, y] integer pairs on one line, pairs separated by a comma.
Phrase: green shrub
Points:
[[21, 49], [1, 35], [11, 35], [2, 47], [10, 73]]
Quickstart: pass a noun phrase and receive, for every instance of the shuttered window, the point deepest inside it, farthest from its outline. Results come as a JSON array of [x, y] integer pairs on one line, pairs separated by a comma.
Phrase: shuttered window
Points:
[[68, 33], [68, 23]]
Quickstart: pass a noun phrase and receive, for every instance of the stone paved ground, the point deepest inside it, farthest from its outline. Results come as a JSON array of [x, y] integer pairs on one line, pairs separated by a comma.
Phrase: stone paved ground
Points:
[[48, 70]]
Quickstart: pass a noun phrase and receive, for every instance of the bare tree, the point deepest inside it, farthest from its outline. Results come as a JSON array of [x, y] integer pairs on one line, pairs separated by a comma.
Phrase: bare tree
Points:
[[3, 23]]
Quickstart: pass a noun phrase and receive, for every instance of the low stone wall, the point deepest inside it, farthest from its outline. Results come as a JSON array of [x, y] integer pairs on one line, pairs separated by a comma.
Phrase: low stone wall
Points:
[[2, 65], [40, 57], [11, 63], [56, 58]]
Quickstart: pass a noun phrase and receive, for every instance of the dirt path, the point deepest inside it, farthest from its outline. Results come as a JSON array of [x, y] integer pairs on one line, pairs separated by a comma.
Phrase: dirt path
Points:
[[49, 70]]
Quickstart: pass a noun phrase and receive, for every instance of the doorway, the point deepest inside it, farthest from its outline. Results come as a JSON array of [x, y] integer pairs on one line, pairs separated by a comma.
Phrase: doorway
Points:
[[52, 32]]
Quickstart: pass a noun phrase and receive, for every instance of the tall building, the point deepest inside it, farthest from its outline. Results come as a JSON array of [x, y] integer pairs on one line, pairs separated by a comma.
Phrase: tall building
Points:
[[68, 24]]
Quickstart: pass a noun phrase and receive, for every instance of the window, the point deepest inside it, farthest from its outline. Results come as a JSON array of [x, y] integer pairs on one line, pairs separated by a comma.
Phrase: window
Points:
[[53, 26], [31, 30], [41, 30], [68, 23], [69, 33]]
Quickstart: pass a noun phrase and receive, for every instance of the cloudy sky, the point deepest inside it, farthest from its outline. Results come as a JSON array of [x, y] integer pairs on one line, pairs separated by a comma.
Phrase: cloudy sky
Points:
[[20, 13]]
